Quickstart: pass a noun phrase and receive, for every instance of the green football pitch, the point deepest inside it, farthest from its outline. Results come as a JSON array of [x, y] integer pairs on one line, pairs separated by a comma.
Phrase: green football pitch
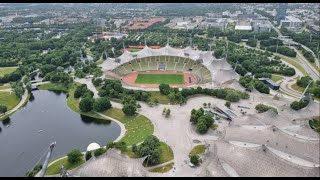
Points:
[[160, 78]]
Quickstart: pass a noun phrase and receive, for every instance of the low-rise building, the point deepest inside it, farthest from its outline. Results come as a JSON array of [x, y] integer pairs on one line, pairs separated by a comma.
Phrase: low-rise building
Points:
[[220, 23], [243, 25], [261, 26]]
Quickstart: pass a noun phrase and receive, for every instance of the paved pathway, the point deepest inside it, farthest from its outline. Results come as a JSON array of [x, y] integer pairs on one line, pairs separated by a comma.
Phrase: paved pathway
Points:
[[23, 99]]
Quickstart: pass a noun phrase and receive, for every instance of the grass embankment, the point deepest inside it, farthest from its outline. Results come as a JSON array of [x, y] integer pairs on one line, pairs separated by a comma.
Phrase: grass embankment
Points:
[[162, 99], [7, 70], [160, 78], [54, 87], [163, 169], [276, 78], [9, 100], [55, 167], [138, 127], [297, 88], [7, 86], [293, 61], [199, 149], [166, 153]]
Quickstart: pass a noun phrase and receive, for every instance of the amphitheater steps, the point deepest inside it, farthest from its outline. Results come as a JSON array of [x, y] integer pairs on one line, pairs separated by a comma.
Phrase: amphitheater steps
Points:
[[175, 66]]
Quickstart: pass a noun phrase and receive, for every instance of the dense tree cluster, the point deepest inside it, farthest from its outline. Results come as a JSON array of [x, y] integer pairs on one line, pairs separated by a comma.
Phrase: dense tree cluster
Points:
[[58, 77], [101, 104], [18, 88], [82, 91], [226, 93], [252, 42], [308, 55], [151, 148], [202, 120], [283, 50], [248, 81], [303, 81], [314, 88], [253, 61], [263, 108], [297, 105], [82, 69], [114, 89]]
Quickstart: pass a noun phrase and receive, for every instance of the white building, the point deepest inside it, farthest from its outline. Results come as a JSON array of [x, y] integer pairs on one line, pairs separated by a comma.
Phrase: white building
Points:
[[291, 23], [243, 25]]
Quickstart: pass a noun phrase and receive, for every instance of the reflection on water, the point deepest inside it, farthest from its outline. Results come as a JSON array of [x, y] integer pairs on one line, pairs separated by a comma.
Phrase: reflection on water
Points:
[[89, 120], [31, 98], [6, 121]]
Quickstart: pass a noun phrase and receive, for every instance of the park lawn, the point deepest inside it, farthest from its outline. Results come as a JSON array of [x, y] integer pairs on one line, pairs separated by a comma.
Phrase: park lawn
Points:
[[276, 78], [165, 156], [160, 78], [297, 88], [163, 99], [54, 87], [138, 127], [7, 70], [199, 149], [55, 167], [163, 169], [166, 153], [9, 100]]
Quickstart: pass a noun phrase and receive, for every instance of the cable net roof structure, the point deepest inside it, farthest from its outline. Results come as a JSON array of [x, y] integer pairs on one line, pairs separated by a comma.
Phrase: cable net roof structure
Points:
[[111, 164], [259, 162], [221, 71]]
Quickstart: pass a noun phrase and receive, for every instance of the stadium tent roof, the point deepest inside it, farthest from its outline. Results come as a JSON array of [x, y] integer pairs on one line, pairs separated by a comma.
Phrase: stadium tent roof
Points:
[[209, 61], [222, 76]]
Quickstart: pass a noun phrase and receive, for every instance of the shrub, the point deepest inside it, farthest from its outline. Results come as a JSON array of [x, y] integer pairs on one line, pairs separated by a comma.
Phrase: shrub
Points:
[[121, 145], [263, 108], [194, 159], [74, 156], [99, 152], [296, 105], [227, 104], [88, 155]]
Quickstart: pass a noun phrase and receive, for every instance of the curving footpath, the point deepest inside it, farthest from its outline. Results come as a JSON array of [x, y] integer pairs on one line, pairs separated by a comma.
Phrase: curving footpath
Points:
[[23, 99]]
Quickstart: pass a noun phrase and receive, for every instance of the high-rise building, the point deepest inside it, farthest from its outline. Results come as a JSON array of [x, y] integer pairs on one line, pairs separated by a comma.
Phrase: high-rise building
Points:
[[281, 11]]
